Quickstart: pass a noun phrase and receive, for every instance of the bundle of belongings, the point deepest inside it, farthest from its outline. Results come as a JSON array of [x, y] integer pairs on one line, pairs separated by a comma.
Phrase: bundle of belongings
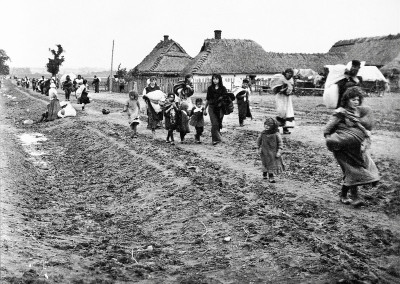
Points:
[[157, 99], [67, 110], [339, 73]]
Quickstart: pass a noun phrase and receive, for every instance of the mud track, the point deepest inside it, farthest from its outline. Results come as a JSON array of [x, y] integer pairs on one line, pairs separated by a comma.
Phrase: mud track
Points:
[[99, 207]]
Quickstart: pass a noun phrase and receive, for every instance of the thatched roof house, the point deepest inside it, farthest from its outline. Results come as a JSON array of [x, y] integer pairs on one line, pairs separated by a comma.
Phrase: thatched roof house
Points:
[[382, 51], [228, 56], [168, 58], [246, 57], [277, 62]]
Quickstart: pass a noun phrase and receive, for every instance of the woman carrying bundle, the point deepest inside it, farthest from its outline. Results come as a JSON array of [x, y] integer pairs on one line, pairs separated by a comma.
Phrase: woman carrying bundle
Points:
[[348, 137], [215, 94]]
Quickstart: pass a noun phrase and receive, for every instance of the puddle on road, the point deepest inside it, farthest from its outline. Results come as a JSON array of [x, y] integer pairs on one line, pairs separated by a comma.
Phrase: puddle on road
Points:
[[32, 138], [31, 143]]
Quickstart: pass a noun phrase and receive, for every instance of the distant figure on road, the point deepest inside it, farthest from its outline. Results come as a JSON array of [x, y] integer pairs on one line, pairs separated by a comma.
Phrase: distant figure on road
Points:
[[82, 94], [121, 83], [67, 87], [96, 84]]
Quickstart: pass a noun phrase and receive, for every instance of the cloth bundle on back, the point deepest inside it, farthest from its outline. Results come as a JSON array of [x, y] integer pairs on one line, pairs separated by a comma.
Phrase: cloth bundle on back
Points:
[[283, 88]]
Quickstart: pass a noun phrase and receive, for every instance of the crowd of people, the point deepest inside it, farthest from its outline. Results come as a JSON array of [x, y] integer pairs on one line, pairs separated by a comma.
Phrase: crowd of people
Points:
[[347, 133]]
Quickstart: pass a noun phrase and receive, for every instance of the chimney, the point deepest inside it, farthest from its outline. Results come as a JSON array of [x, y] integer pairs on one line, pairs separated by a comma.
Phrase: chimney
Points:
[[166, 38], [217, 34]]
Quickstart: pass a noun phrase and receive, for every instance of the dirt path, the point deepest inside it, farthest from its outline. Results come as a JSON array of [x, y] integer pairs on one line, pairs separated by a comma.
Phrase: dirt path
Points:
[[106, 208]]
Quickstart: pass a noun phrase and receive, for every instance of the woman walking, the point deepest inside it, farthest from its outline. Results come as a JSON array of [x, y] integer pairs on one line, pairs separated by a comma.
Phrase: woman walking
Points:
[[347, 136], [154, 118], [68, 87], [215, 94], [282, 86]]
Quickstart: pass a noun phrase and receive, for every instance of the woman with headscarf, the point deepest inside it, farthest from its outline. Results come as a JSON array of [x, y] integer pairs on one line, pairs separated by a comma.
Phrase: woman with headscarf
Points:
[[53, 107], [282, 86], [154, 118], [347, 135], [215, 95]]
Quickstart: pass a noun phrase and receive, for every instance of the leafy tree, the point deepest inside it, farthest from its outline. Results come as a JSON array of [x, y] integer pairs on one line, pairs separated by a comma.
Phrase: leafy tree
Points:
[[54, 64], [121, 72], [4, 68]]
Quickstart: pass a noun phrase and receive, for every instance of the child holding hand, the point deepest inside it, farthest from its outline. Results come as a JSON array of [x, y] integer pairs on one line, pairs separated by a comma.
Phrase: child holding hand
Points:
[[171, 110], [197, 119], [270, 147]]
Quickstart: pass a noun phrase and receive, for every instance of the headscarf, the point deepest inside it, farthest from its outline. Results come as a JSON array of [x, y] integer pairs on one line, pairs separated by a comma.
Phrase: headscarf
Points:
[[273, 125]]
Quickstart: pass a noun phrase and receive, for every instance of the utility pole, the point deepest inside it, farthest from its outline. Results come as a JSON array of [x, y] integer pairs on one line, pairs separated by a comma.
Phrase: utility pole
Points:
[[111, 73]]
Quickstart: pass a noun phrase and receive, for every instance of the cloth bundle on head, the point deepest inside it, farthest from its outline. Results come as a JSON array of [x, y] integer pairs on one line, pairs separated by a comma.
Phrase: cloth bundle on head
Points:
[[273, 125]]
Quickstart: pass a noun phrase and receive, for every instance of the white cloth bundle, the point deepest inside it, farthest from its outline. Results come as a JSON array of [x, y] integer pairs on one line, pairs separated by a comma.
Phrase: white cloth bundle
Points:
[[331, 96], [156, 97], [66, 111]]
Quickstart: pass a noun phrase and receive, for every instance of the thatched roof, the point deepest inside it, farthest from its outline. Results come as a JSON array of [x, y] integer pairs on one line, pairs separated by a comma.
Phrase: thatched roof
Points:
[[377, 51], [277, 62], [167, 57], [237, 56], [228, 56]]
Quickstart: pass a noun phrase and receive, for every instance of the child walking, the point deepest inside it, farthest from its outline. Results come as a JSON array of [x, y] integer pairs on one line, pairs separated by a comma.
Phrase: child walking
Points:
[[170, 110], [270, 148], [183, 125], [197, 119], [132, 106], [242, 99]]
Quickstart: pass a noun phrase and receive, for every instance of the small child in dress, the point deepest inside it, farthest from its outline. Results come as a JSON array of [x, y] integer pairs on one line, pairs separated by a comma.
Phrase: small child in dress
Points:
[[132, 106], [270, 148], [171, 110], [197, 119], [183, 126]]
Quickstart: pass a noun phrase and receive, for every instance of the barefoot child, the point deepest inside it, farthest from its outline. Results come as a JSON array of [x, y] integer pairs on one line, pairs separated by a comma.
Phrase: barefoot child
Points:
[[132, 106], [270, 148], [170, 110], [197, 119]]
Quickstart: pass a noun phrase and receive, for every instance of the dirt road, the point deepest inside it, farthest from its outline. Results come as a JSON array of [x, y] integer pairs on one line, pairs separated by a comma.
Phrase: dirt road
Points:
[[82, 202]]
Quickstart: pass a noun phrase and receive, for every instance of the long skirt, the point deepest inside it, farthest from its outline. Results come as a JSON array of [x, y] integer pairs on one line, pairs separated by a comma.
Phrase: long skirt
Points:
[[284, 110], [216, 117], [244, 110], [356, 163], [154, 119]]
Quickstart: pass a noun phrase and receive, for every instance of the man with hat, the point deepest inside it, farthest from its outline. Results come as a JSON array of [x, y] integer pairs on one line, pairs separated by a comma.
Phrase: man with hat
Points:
[[351, 79]]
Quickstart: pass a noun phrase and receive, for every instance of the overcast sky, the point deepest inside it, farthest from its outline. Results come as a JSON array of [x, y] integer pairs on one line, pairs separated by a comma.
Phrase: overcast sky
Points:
[[86, 28]]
